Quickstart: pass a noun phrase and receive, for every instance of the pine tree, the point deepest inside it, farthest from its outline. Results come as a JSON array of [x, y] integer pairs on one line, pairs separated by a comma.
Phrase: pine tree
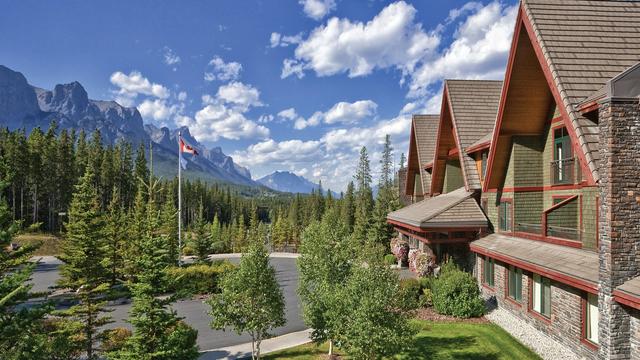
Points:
[[169, 225], [83, 270], [116, 237], [403, 161], [348, 209], [201, 237], [159, 334], [380, 231], [216, 235], [364, 197]]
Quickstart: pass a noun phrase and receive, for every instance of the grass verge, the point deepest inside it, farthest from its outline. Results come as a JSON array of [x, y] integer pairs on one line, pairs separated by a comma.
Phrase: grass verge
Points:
[[50, 243], [440, 341]]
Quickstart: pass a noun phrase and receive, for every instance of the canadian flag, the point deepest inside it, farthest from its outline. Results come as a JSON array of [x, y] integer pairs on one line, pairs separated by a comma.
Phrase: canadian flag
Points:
[[185, 148]]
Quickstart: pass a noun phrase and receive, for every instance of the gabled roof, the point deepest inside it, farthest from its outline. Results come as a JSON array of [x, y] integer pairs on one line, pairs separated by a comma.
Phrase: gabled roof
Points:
[[454, 209], [584, 44], [424, 132], [471, 107]]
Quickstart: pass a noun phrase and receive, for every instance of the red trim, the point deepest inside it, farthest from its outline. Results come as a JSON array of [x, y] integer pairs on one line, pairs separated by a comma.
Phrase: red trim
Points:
[[551, 274], [410, 227], [520, 22], [549, 239], [589, 107], [546, 320], [506, 286], [538, 188], [556, 120], [482, 146], [411, 172], [428, 165], [558, 99], [567, 199], [626, 299], [453, 152], [513, 223], [434, 170], [432, 241]]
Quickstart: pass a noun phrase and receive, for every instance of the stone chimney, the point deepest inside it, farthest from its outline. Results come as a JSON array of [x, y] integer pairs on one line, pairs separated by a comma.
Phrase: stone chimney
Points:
[[619, 222]]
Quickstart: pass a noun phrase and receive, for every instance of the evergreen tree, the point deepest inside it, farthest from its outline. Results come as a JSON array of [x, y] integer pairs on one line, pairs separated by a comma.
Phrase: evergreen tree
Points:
[[217, 236], [169, 225], [349, 207], [364, 197], [83, 270], [250, 300], [403, 161], [386, 164], [159, 334], [387, 200], [116, 237], [201, 237], [141, 171]]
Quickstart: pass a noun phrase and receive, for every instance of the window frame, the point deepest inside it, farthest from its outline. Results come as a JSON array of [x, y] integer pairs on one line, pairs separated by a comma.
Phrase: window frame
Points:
[[490, 262], [586, 321], [542, 296], [513, 273], [501, 214]]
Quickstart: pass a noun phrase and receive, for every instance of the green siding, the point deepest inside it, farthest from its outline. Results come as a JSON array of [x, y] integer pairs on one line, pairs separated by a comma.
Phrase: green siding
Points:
[[526, 159], [452, 177]]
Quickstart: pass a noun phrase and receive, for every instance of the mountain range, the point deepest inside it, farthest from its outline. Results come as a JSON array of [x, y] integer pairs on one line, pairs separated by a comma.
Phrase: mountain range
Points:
[[23, 106], [289, 182]]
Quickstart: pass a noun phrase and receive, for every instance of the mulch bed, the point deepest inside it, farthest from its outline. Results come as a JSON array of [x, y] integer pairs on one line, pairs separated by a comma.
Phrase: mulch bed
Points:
[[430, 315]]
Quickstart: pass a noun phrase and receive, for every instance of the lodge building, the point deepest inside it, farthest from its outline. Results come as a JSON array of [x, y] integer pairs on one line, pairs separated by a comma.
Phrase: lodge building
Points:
[[533, 183]]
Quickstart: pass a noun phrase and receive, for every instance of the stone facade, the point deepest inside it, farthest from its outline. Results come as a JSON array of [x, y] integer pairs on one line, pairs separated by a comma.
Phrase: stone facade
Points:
[[619, 226], [565, 323]]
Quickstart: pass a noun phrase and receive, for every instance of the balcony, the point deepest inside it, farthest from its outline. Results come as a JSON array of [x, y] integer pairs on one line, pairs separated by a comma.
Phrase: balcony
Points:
[[528, 228], [563, 232], [565, 171]]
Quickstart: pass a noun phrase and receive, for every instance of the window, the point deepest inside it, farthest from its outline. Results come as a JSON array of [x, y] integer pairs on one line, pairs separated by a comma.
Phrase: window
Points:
[[488, 270], [541, 296], [514, 283], [591, 318], [484, 165], [505, 216], [562, 157]]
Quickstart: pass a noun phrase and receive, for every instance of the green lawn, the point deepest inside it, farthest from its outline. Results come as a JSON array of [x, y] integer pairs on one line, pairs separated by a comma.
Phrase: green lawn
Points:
[[441, 340]]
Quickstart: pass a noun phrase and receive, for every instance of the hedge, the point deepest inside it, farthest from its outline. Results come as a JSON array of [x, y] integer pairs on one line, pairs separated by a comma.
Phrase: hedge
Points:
[[197, 279]]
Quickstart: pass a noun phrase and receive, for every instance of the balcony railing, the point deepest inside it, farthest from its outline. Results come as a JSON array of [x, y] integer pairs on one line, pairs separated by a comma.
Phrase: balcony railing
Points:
[[563, 232], [529, 228], [564, 171]]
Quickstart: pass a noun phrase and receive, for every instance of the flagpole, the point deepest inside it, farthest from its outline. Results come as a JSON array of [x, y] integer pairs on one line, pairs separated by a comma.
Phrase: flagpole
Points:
[[179, 202]]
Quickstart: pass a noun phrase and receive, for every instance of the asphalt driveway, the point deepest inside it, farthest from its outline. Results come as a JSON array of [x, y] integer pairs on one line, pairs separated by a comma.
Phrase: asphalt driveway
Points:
[[195, 311]]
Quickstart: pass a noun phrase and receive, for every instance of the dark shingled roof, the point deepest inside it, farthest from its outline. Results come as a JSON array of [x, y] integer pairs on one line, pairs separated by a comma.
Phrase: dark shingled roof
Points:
[[585, 43], [474, 104], [457, 208], [557, 259], [425, 128]]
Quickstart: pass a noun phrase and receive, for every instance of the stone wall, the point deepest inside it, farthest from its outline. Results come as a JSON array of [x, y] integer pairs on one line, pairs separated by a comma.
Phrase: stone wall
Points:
[[619, 225], [565, 323], [634, 328]]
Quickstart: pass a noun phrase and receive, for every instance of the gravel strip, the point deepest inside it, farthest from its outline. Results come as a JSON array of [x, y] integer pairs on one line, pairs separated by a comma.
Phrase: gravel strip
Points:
[[542, 344]]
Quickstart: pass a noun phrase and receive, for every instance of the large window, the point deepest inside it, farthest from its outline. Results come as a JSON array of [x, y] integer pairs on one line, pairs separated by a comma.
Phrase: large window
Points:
[[504, 214], [591, 318], [514, 283], [541, 295], [488, 271]]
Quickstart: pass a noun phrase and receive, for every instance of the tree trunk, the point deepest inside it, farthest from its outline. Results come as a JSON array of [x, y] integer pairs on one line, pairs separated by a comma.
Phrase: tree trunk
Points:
[[330, 348], [258, 346], [253, 347]]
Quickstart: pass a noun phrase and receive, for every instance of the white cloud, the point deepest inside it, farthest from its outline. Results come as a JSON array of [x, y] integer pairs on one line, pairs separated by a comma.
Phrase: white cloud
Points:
[[301, 172], [479, 49], [171, 58], [289, 114], [242, 95], [317, 9], [355, 138], [134, 84], [278, 39], [222, 71], [158, 110], [292, 67], [263, 119], [349, 113], [283, 152], [182, 96], [314, 120], [216, 121], [391, 39]]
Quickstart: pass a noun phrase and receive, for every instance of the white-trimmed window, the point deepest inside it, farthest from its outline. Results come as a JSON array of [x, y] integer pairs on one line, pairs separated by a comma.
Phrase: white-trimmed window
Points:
[[541, 295], [591, 318]]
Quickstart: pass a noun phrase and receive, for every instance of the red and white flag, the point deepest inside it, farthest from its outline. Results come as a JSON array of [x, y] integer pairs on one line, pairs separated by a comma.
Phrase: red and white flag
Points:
[[186, 148]]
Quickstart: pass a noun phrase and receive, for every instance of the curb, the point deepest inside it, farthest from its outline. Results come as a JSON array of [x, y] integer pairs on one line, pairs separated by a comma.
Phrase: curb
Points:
[[243, 351], [238, 255]]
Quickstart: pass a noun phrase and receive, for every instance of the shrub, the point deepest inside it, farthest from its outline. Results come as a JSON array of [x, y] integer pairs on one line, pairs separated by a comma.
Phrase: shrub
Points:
[[197, 279], [187, 251], [390, 259], [426, 282], [456, 293], [114, 339], [426, 299], [411, 287]]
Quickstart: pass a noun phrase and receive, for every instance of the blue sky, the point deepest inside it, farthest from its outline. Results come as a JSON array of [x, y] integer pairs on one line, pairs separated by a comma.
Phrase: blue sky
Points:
[[279, 85]]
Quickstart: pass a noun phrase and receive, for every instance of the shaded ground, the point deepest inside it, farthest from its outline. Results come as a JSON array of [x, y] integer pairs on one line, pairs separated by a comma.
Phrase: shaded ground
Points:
[[440, 341], [195, 311]]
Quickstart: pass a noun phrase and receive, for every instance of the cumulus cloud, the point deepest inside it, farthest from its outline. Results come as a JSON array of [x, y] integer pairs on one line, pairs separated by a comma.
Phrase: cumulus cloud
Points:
[[239, 94], [391, 39], [284, 152], [289, 114], [479, 49], [342, 112], [134, 84], [263, 119], [158, 110], [278, 39], [223, 71], [292, 67], [317, 9]]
